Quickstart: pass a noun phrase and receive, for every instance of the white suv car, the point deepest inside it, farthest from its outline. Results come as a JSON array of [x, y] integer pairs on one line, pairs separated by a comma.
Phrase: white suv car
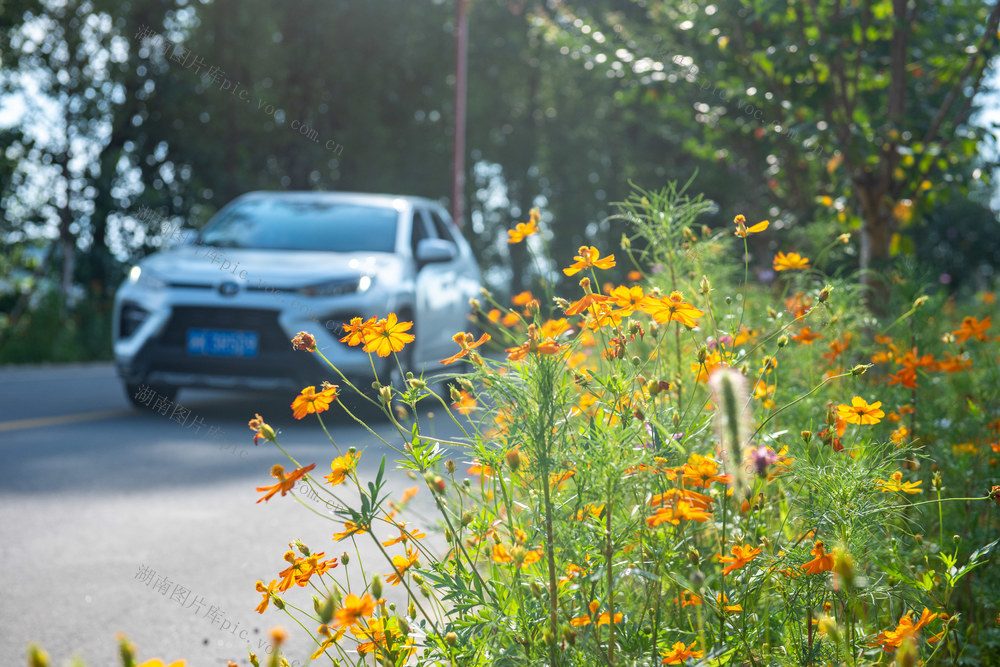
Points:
[[220, 310]]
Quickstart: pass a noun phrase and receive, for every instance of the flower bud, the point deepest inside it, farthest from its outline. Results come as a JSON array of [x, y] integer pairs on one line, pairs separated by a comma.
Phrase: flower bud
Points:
[[345, 558], [824, 294], [706, 285], [513, 459], [385, 395], [920, 301], [626, 242], [411, 611], [860, 369], [782, 341], [907, 654], [451, 639], [844, 567], [449, 465], [806, 436], [376, 586], [37, 657]]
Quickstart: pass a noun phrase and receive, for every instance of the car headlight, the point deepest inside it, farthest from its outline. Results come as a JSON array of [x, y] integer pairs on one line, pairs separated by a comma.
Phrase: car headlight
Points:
[[354, 285], [145, 279]]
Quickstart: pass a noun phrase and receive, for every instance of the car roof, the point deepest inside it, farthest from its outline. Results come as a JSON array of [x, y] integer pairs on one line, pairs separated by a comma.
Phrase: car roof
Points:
[[365, 198]]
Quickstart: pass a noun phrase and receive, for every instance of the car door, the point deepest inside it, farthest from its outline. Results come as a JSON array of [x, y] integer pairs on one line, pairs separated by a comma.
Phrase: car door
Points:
[[436, 296]]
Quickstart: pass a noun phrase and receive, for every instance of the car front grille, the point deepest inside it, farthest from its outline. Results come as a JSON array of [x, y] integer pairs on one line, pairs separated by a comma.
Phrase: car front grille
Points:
[[264, 322], [275, 358]]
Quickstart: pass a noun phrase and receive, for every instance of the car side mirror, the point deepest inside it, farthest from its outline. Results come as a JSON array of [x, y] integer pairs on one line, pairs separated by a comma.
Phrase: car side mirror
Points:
[[430, 251]]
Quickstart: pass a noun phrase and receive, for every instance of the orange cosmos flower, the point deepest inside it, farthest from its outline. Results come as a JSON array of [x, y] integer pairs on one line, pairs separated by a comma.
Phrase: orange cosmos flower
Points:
[[388, 336], [806, 336], [680, 653], [741, 226], [266, 591], [896, 483], [589, 510], [891, 639], [309, 402], [723, 601], [837, 348], [353, 609], [465, 403], [285, 481], [587, 619], [671, 309], [972, 328], [357, 331], [477, 468], [404, 535], [510, 319], [350, 528], [522, 299], [701, 470], [627, 299], [741, 556], [798, 305], [589, 257], [677, 511], [791, 262], [341, 467], [522, 230], [589, 302], [401, 565], [301, 569], [465, 341], [534, 345], [860, 412], [688, 599], [823, 562]]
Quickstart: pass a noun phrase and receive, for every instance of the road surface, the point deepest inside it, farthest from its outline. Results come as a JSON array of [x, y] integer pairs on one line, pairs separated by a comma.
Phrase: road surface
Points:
[[118, 520]]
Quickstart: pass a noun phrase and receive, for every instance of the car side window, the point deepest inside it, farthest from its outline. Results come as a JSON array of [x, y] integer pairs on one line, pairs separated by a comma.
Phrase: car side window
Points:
[[441, 227], [418, 230]]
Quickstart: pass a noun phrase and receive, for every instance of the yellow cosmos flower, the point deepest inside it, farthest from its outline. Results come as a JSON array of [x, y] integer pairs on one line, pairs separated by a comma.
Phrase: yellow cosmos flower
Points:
[[860, 412], [588, 257], [388, 336], [790, 262]]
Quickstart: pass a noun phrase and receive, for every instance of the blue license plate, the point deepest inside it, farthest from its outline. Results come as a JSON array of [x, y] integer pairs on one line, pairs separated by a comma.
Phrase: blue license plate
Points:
[[221, 343]]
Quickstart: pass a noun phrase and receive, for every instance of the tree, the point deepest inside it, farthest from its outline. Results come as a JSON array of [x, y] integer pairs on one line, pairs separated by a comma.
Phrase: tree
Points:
[[869, 99]]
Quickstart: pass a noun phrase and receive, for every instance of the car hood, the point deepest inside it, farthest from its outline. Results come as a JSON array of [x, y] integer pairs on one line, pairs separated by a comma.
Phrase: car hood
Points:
[[259, 268]]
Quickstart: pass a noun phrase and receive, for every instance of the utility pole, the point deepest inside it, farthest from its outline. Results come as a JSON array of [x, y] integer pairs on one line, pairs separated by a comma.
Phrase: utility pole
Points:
[[458, 157]]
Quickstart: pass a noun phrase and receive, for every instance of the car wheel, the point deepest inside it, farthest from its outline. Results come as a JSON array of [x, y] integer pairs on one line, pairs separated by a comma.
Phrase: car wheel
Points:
[[145, 396]]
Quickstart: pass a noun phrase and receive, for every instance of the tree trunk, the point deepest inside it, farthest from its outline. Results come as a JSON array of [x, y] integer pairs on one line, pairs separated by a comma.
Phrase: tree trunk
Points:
[[877, 227]]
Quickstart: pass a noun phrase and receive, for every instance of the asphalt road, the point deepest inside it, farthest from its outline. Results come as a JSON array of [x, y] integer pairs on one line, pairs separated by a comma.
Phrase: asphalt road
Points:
[[117, 520]]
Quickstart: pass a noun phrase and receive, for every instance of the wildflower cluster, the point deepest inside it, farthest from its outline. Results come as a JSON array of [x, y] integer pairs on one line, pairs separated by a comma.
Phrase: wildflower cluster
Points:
[[676, 468]]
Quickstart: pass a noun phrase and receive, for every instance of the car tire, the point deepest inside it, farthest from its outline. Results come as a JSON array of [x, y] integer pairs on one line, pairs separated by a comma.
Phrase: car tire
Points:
[[143, 395]]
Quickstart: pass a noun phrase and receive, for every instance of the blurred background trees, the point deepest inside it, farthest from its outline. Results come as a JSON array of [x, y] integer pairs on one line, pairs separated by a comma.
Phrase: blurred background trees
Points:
[[825, 117]]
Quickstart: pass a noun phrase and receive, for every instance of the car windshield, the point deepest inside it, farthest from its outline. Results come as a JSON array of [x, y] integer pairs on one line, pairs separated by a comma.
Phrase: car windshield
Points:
[[304, 224]]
